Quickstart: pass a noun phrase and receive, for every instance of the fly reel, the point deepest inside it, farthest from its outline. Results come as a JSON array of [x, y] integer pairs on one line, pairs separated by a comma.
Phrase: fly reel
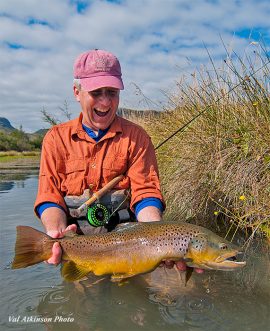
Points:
[[98, 215]]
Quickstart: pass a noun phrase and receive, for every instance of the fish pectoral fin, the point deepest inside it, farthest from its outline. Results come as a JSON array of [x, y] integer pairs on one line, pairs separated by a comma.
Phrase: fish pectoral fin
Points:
[[71, 271], [119, 277], [189, 272]]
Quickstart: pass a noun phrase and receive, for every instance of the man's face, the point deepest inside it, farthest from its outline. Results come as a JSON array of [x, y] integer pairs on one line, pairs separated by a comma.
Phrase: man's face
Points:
[[99, 106]]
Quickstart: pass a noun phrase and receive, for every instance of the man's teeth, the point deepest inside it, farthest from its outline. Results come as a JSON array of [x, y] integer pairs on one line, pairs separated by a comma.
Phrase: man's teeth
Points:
[[101, 113]]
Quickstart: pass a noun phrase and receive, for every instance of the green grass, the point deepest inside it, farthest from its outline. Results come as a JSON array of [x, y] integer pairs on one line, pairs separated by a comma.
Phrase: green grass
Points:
[[13, 156]]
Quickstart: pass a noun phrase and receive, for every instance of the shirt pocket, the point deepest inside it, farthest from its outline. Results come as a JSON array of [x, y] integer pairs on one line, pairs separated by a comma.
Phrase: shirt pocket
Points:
[[72, 173], [113, 166]]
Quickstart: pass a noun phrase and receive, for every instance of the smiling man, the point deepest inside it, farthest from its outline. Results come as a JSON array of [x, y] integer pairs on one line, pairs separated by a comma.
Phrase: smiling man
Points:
[[89, 151]]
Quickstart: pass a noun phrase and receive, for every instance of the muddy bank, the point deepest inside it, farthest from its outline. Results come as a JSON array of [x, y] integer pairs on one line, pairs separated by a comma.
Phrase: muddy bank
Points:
[[18, 166]]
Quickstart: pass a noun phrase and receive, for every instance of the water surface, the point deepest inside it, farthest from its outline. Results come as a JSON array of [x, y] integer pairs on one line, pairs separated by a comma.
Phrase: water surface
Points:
[[36, 298]]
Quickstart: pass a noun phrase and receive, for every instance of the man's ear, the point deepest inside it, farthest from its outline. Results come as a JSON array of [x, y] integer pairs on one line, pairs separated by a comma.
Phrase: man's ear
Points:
[[76, 92]]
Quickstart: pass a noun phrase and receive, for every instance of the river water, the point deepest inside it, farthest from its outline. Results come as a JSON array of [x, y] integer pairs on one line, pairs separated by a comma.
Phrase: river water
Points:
[[36, 298]]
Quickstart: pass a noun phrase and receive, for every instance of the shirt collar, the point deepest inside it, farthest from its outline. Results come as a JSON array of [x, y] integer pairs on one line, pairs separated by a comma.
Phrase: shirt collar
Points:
[[78, 130], [92, 134]]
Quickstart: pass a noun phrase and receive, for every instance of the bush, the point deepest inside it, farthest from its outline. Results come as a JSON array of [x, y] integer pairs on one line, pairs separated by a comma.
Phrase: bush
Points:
[[18, 140]]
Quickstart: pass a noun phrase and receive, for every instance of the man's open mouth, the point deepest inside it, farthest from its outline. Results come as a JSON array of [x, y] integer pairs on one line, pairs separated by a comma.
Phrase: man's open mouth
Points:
[[101, 113]]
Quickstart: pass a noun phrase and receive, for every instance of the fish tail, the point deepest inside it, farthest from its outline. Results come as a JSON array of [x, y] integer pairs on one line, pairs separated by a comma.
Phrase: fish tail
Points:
[[32, 247]]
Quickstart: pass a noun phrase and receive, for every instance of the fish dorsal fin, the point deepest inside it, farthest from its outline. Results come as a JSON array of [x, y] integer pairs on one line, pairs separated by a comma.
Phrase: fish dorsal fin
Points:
[[70, 234], [125, 226], [71, 271]]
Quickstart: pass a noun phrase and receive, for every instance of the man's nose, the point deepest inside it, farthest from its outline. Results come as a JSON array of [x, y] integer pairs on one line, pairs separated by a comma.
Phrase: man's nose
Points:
[[104, 99]]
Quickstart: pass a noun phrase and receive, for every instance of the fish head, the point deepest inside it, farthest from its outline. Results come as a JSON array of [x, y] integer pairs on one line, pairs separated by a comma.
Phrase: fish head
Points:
[[209, 251]]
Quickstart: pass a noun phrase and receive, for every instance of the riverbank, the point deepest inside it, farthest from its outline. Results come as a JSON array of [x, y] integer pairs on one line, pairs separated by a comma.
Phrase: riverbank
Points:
[[18, 163], [11, 156]]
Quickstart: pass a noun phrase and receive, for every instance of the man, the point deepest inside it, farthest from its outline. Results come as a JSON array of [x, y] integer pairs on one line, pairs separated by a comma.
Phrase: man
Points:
[[93, 149]]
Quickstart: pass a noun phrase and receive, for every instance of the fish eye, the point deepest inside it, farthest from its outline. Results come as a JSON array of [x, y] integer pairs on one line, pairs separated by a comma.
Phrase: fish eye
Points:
[[223, 246]]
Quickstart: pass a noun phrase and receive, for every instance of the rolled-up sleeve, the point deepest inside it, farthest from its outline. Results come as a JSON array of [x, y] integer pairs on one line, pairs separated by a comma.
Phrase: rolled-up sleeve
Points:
[[49, 180], [143, 170]]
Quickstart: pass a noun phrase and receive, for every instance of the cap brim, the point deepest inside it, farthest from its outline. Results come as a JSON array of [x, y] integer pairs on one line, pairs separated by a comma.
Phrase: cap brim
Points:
[[94, 83]]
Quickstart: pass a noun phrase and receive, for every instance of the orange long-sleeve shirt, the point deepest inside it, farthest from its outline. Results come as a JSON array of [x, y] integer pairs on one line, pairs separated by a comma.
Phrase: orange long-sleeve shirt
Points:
[[71, 161]]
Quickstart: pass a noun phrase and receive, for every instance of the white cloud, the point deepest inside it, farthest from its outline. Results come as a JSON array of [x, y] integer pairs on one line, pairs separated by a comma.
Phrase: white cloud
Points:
[[53, 11], [156, 41]]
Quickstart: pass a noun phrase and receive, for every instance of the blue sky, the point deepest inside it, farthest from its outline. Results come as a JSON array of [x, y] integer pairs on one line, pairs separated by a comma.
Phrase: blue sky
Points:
[[157, 42]]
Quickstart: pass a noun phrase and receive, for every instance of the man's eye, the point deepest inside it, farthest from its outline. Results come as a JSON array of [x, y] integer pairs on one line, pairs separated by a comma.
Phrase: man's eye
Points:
[[107, 93], [96, 94], [112, 93]]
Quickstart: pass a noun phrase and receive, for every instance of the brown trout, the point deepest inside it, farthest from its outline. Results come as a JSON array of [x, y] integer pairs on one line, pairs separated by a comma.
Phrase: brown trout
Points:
[[130, 250]]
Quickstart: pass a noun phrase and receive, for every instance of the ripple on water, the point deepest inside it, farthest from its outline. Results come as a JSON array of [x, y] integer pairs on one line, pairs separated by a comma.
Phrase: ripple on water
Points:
[[226, 307], [186, 310], [68, 301], [164, 300], [23, 301], [54, 300]]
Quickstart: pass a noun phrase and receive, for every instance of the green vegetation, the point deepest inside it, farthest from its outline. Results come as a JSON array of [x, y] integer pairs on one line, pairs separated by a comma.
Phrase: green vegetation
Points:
[[18, 140], [217, 170], [13, 156]]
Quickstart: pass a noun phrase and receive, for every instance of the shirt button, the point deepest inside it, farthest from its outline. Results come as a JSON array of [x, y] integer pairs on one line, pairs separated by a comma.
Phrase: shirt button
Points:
[[93, 165]]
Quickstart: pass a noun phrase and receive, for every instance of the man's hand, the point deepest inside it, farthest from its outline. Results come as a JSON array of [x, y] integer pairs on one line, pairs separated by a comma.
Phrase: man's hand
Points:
[[56, 249], [180, 265]]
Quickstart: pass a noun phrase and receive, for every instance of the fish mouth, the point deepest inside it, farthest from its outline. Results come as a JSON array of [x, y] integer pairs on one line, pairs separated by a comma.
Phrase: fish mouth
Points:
[[227, 261]]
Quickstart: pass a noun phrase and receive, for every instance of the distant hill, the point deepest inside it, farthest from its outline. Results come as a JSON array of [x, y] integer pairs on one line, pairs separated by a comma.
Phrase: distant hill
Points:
[[39, 134], [41, 131], [5, 124], [12, 139]]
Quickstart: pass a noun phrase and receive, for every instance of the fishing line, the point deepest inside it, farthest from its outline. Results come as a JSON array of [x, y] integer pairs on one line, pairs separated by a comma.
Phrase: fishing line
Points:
[[209, 106]]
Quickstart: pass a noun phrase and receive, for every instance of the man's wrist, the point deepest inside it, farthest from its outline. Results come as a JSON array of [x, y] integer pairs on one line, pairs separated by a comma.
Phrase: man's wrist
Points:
[[149, 214], [54, 221], [45, 205]]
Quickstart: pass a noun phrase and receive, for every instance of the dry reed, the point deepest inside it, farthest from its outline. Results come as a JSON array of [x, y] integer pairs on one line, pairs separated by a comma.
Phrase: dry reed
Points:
[[218, 168]]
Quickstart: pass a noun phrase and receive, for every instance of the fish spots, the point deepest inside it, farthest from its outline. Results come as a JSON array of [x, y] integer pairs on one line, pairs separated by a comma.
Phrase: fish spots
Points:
[[198, 243]]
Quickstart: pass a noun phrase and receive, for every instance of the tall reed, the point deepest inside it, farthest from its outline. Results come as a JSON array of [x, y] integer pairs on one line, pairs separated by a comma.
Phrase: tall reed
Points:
[[218, 168]]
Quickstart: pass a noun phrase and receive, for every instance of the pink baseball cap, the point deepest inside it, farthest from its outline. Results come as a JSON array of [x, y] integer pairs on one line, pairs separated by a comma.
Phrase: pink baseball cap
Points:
[[97, 69]]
